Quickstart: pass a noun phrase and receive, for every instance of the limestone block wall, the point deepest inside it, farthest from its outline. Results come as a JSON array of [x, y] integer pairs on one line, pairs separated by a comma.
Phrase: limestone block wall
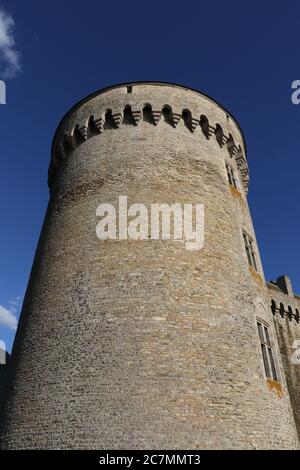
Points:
[[285, 306], [144, 344]]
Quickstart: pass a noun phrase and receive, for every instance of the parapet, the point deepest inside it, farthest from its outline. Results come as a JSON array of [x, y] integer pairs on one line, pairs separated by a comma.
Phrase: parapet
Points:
[[283, 300], [152, 101]]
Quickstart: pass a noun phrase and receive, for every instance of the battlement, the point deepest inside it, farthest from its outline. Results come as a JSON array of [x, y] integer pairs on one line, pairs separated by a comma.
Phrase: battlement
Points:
[[285, 306], [283, 300], [116, 106]]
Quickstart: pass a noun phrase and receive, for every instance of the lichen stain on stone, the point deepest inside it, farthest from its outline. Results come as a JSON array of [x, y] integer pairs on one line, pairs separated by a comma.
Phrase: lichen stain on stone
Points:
[[276, 386], [237, 194], [255, 275]]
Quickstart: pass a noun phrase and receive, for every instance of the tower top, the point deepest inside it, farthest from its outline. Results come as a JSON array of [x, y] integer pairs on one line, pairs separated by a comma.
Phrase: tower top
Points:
[[196, 109]]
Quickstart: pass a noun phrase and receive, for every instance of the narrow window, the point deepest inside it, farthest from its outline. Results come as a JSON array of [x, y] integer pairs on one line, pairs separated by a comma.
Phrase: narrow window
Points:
[[128, 117], [231, 175], [129, 89], [147, 113], [109, 122], [273, 306], [219, 135], [281, 310], [250, 251], [267, 351], [290, 313], [204, 123]]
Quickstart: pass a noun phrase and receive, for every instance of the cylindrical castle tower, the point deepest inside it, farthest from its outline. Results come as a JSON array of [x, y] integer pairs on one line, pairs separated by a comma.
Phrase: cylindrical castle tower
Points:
[[143, 343]]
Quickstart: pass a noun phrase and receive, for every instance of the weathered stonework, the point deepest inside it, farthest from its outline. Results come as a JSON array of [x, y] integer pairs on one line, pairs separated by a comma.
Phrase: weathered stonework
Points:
[[143, 344], [285, 306]]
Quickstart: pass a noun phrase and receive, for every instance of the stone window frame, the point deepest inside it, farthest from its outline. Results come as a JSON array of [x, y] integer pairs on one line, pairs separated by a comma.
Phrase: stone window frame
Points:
[[231, 175], [251, 251], [267, 350]]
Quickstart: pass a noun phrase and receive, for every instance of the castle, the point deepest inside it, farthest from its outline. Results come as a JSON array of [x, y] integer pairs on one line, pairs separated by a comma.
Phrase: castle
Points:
[[136, 344]]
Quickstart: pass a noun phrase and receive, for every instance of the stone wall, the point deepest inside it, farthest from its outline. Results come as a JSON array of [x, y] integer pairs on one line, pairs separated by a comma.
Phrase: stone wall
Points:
[[144, 344], [285, 306]]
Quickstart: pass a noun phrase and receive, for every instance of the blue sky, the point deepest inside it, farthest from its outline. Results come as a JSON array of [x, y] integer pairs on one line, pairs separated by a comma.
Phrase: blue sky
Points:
[[243, 54]]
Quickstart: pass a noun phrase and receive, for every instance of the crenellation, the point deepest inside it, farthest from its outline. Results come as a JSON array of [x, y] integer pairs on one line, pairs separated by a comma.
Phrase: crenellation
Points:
[[221, 138], [110, 119], [285, 310], [285, 307]]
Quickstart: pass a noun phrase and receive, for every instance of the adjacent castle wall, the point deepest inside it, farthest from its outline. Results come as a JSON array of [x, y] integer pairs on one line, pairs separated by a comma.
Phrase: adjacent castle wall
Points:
[[285, 306]]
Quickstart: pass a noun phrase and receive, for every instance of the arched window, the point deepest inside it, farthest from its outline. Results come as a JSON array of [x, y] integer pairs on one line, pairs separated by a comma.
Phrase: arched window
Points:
[[128, 117], [187, 118], [230, 145], [250, 250], [109, 122], [92, 130], [267, 350], [290, 313], [147, 113], [281, 309], [273, 306], [167, 114], [204, 124], [219, 135], [231, 175], [77, 134]]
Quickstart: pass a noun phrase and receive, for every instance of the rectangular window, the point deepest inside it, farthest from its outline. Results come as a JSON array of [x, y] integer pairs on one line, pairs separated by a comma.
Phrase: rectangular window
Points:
[[231, 175], [267, 351], [249, 246]]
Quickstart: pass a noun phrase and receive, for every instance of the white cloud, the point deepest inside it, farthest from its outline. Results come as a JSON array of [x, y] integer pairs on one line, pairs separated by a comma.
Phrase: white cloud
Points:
[[15, 305], [8, 318], [9, 56]]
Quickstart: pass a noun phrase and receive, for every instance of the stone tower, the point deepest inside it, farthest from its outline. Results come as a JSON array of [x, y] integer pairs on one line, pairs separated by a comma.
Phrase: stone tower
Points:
[[143, 343]]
